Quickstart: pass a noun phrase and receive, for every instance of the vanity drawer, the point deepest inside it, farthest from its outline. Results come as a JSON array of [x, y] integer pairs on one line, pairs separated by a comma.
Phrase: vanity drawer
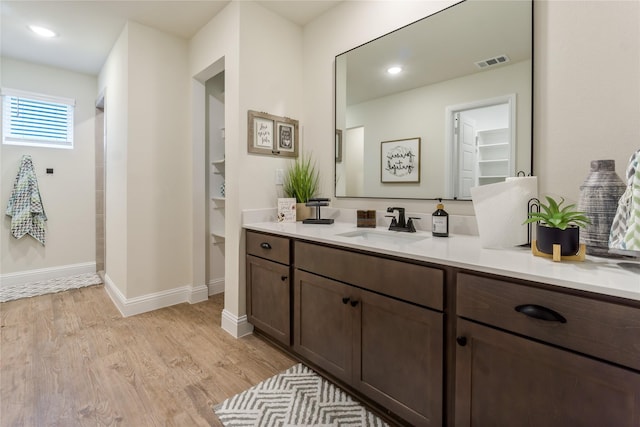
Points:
[[267, 246], [410, 282], [601, 329]]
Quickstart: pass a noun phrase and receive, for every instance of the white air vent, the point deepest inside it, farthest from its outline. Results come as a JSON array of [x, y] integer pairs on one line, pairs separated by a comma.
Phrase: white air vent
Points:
[[496, 60]]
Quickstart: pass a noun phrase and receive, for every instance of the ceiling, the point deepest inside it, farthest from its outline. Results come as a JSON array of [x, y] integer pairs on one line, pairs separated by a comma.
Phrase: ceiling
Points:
[[87, 29], [442, 47]]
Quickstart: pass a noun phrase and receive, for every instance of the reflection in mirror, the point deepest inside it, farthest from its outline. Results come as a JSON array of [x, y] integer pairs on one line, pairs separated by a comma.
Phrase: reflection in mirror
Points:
[[464, 88]]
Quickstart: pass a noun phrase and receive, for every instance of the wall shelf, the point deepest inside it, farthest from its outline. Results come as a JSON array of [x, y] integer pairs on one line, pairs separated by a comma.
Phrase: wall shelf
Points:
[[495, 145], [217, 238], [494, 155]]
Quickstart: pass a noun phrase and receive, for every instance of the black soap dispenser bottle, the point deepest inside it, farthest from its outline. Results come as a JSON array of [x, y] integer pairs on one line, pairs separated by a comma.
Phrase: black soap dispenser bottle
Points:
[[440, 221]]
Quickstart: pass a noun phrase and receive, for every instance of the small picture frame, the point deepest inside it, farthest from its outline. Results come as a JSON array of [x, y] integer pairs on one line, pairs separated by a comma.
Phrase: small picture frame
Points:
[[338, 145], [287, 135], [400, 161], [272, 135], [286, 210]]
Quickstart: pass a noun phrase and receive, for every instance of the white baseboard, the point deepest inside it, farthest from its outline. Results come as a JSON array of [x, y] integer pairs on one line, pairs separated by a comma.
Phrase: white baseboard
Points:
[[196, 294], [236, 326], [142, 304], [216, 286], [42, 274]]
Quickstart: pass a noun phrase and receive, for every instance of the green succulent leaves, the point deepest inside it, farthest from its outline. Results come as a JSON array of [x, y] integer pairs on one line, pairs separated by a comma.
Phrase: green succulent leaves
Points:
[[554, 215]]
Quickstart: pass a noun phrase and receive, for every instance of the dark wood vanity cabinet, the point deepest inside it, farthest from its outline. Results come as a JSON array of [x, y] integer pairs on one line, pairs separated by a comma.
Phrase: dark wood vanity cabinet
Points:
[[269, 285], [324, 323], [495, 352], [531, 356], [388, 349], [398, 357]]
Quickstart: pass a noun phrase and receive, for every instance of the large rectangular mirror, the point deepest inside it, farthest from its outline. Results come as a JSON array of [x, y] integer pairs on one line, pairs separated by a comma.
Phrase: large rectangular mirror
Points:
[[462, 97]]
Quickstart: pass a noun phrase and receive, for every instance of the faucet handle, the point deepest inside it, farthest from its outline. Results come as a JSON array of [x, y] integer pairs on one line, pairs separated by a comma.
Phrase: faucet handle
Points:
[[410, 226], [394, 223]]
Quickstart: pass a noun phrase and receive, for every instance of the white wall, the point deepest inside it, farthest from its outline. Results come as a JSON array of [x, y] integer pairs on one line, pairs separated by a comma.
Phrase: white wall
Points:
[[212, 50], [152, 160], [159, 163], [587, 90], [215, 46], [263, 72], [587, 96], [68, 194]]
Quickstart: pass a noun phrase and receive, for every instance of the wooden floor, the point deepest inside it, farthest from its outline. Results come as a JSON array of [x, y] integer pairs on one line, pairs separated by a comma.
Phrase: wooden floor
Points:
[[70, 359]]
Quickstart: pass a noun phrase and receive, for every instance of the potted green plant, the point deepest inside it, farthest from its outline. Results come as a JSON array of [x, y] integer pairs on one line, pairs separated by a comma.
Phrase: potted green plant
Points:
[[558, 224], [301, 181]]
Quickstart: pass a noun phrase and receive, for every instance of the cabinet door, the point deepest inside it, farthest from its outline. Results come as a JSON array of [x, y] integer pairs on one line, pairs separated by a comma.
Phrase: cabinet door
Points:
[[506, 380], [398, 357], [323, 323], [269, 298]]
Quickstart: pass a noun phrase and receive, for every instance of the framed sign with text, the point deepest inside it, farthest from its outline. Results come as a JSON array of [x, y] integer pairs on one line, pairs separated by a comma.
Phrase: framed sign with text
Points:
[[272, 135]]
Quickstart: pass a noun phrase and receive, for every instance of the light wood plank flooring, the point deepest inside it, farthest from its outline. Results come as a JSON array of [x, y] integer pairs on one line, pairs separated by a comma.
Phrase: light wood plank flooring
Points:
[[70, 359]]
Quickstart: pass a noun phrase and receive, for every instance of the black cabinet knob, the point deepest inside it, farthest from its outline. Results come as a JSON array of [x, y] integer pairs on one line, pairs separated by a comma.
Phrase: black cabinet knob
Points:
[[345, 300], [265, 245], [283, 278], [462, 341], [354, 303]]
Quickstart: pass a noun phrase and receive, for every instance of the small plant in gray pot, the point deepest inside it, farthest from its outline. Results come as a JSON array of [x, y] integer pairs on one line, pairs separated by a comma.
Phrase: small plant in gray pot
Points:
[[558, 224]]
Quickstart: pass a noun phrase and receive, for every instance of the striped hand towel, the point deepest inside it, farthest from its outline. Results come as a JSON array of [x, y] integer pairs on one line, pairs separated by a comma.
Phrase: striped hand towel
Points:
[[25, 205], [625, 230]]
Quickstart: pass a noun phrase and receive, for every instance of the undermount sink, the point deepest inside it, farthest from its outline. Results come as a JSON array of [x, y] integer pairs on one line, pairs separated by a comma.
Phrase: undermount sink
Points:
[[382, 236]]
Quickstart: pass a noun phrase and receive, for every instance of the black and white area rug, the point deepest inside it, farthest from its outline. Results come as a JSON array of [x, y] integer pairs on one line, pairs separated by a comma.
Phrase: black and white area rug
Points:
[[33, 289], [296, 397]]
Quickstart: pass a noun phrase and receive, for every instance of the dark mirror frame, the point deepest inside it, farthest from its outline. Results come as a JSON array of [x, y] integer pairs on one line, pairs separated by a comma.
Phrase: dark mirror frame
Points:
[[339, 156]]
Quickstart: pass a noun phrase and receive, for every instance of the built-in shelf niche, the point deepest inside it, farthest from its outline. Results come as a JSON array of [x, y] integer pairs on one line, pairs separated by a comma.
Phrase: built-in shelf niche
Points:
[[494, 156]]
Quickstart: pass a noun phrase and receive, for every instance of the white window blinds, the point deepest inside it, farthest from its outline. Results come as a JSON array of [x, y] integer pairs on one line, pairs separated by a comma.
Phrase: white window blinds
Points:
[[36, 120]]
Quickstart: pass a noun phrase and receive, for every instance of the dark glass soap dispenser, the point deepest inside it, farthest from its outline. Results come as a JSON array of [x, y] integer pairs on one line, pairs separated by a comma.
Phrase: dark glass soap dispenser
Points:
[[440, 221]]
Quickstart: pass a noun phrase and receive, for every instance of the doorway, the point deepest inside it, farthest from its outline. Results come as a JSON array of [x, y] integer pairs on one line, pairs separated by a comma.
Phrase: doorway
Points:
[[100, 179], [216, 189], [480, 144], [208, 150]]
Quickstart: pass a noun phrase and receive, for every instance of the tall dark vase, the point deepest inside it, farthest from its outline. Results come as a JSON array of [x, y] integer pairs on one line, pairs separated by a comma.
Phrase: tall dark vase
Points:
[[599, 195]]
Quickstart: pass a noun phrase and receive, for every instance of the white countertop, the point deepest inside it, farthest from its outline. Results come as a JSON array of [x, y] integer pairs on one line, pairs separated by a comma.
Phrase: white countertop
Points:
[[619, 278]]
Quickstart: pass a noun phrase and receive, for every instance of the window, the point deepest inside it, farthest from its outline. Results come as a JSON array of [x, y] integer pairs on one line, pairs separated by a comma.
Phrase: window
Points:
[[36, 120]]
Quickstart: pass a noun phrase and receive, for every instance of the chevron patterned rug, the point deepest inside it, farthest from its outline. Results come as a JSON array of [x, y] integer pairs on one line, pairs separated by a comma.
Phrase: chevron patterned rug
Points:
[[296, 397], [33, 289]]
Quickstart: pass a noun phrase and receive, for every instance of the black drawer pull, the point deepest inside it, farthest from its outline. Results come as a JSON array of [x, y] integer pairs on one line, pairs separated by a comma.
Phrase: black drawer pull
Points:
[[265, 245], [462, 341], [354, 303], [345, 300], [283, 278], [540, 312]]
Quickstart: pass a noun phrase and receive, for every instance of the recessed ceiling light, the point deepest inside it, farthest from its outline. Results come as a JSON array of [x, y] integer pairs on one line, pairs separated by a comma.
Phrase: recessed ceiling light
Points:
[[41, 31], [394, 70]]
